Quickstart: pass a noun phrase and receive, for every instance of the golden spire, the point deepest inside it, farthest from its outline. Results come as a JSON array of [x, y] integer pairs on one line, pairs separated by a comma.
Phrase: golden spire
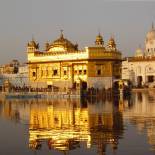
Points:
[[61, 33], [47, 46], [99, 40], [152, 26], [33, 43], [33, 38], [111, 43]]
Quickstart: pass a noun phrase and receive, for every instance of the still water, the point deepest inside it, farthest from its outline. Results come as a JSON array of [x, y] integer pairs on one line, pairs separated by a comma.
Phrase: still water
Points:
[[73, 127]]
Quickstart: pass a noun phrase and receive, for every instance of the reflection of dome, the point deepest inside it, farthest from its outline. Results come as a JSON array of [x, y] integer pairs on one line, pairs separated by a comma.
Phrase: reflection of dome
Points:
[[64, 43], [151, 34], [139, 52], [99, 40]]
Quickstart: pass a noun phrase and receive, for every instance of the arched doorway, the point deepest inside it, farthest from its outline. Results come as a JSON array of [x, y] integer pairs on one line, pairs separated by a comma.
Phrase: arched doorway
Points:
[[139, 81], [84, 85], [116, 85]]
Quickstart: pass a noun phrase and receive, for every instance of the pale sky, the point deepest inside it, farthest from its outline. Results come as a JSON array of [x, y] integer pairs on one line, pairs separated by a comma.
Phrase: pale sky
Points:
[[80, 19]]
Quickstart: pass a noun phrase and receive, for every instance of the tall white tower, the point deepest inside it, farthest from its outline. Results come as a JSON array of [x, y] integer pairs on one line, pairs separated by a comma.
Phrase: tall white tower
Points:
[[150, 42]]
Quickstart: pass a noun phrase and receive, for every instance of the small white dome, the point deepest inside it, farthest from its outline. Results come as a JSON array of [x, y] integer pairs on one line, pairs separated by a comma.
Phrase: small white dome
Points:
[[139, 52]]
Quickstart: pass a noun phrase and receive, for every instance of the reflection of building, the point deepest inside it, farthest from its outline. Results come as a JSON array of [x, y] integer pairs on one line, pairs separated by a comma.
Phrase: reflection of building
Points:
[[140, 69], [142, 114], [61, 124], [65, 125], [17, 110], [62, 64]]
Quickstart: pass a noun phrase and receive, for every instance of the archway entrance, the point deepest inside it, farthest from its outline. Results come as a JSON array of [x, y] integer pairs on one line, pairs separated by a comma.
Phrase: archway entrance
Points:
[[84, 85], [139, 81], [116, 85]]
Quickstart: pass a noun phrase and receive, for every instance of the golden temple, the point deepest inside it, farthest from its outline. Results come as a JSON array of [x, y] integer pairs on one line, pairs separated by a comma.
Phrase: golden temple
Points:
[[62, 64]]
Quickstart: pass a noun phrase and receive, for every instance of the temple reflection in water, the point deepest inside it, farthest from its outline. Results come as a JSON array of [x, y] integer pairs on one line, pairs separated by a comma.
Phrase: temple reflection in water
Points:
[[65, 125], [142, 114]]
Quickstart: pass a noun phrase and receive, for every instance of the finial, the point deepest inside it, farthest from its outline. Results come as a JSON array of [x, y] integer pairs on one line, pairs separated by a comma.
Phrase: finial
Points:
[[152, 25], [32, 37], [99, 32], [112, 36], [61, 31]]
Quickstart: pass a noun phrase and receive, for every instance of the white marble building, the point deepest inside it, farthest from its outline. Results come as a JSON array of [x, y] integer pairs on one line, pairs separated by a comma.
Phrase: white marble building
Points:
[[140, 69], [19, 79]]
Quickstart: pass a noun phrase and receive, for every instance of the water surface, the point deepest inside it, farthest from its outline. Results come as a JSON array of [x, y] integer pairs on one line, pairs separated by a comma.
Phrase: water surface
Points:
[[45, 127]]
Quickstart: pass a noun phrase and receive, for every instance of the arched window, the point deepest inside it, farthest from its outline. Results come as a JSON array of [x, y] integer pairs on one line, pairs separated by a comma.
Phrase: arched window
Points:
[[33, 74]]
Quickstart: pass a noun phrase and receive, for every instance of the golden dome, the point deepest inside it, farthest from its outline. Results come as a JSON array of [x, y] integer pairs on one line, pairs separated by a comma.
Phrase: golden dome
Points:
[[151, 34], [99, 40], [32, 43], [111, 43], [139, 52], [63, 42]]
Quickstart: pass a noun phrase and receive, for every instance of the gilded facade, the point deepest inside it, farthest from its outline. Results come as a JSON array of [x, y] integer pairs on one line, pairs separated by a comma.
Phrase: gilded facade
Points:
[[62, 64]]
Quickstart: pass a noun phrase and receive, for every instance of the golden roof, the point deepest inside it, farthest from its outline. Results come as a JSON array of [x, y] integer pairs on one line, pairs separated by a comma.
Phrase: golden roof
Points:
[[32, 43], [63, 42], [111, 43], [99, 40]]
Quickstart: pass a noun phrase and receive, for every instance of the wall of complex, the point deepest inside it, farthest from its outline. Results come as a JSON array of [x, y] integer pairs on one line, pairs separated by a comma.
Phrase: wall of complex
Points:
[[134, 70], [17, 80], [64, 74], [100, 82], [57, 71], [99, 69]]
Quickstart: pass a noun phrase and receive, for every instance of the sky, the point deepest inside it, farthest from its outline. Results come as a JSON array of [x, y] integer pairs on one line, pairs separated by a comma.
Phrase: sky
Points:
[[81, 20]]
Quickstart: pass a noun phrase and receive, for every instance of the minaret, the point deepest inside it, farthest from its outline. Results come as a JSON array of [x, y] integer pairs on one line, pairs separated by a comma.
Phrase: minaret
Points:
[[99, 40], [150, 42], [152, 26], [61, 34], [32, 46], [112, 44]]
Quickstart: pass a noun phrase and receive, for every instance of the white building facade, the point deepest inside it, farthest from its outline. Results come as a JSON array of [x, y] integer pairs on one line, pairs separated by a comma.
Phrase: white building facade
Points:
[[140, 69], [19, 79]]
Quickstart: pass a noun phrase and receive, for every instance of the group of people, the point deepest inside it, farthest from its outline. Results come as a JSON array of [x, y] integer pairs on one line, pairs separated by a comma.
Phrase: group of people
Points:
[[29, 89]]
